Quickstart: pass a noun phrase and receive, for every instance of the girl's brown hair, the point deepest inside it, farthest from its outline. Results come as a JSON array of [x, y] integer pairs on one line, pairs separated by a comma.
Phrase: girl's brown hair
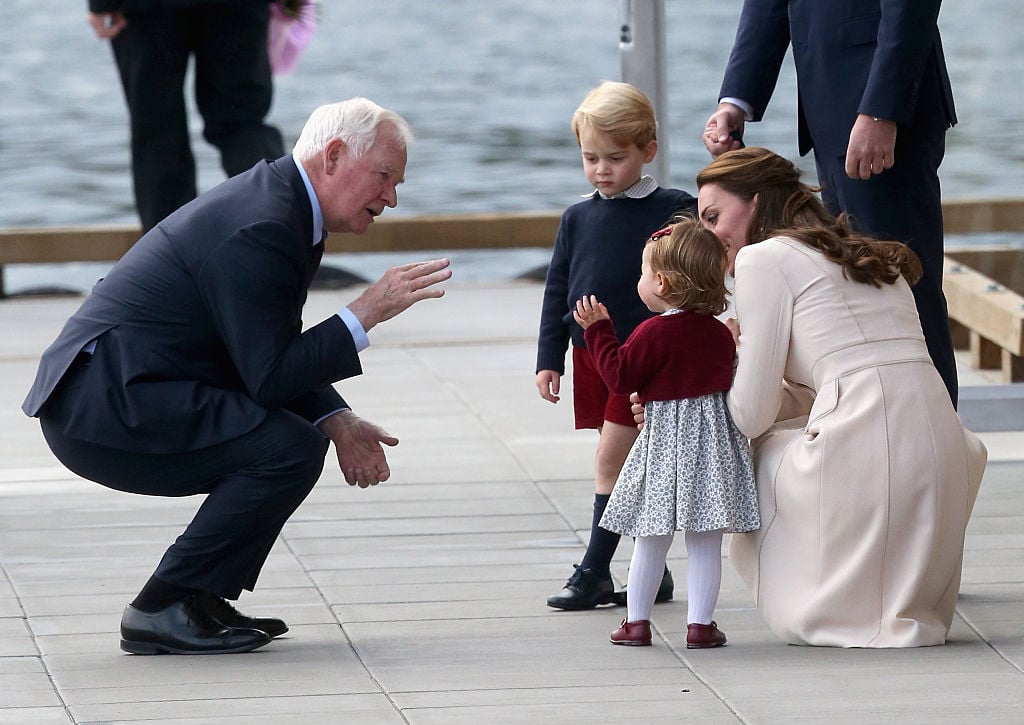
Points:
[[691, 260], [787, 207]]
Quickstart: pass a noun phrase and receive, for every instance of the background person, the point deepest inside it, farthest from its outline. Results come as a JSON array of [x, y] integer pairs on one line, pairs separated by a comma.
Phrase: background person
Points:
[[152, 41], [865, 475], [188, 371]]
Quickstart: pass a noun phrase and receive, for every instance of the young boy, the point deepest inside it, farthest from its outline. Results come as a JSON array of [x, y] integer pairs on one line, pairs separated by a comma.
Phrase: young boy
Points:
[[598, 251]]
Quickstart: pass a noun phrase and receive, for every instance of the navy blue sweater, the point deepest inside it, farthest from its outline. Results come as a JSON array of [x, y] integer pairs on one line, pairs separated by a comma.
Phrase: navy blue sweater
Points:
[[598, 251]]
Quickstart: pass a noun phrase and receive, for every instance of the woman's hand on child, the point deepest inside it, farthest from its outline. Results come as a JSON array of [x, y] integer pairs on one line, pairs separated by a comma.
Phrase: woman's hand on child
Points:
[[548, 384], [734, 327], [637, 409], [589, 310]]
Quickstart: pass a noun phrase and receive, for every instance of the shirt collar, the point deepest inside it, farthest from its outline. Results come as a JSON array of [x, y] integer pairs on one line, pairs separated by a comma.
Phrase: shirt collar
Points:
[[644, 187], [319, 234]]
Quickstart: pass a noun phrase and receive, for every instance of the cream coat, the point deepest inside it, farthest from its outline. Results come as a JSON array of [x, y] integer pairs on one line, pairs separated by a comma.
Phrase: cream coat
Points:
[[866, 476]]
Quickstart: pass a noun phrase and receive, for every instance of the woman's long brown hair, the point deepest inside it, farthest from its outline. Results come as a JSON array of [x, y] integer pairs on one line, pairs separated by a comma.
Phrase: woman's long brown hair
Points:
[[787, 207]]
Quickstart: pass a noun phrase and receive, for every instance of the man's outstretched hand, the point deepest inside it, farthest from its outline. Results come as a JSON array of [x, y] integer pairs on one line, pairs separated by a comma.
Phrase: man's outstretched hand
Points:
[[399, 289], [358, 445]]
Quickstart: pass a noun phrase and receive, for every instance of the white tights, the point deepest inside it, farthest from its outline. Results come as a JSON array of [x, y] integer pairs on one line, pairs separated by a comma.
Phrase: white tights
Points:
[[703, 580]]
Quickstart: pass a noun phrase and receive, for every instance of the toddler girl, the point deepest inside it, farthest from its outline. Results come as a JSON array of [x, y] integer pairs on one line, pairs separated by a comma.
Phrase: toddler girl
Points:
[[690, 468]]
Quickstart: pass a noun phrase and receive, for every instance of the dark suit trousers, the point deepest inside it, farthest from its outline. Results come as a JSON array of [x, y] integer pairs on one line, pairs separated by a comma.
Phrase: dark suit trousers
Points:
[[904, 204], [253, 484], [233, 91]]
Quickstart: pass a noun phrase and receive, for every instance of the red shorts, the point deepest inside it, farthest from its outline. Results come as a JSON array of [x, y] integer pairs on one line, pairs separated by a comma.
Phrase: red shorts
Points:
[[592, 402]]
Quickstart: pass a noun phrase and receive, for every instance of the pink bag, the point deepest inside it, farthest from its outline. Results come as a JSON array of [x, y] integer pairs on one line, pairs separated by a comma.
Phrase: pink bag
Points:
[[289, 33]]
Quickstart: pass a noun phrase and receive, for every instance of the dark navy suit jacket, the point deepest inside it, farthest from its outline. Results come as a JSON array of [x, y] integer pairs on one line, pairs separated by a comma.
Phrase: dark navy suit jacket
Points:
[[881, 58], [199, 325]]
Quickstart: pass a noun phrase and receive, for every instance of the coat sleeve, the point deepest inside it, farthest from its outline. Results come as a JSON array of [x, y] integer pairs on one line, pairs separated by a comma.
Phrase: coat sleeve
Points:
[[553, 336], [762, 38], [764, 309], [907, 35], [624, 368], [105, 6], [254, 289]]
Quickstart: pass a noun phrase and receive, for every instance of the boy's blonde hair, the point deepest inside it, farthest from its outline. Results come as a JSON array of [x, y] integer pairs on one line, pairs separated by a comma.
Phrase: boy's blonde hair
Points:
[[619, 110], [692, 262]]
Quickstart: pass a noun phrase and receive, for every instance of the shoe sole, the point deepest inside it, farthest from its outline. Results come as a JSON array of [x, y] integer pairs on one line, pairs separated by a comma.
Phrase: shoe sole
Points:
[[630, 642], [568, 606], [705, 646], [153, 648]]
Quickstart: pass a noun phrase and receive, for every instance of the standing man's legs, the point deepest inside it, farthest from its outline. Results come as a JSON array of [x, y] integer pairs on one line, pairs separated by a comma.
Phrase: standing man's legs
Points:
[[234, 85], [904, 204], [152, 55]]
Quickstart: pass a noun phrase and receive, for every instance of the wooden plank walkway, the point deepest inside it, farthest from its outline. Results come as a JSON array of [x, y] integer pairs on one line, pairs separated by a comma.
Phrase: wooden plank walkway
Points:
[[422, 600]]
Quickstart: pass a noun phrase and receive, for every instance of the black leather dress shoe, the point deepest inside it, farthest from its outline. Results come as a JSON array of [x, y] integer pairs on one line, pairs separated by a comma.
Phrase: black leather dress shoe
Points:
[[584, 590], [184, 628], [221, 610], [665, 592]]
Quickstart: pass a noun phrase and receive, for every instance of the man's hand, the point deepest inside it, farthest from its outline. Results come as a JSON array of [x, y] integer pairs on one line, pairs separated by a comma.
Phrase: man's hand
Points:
[[358, 445], [399, 289], [548, 384], [589, 310], [872, 147], [717, 131], [107, 25]]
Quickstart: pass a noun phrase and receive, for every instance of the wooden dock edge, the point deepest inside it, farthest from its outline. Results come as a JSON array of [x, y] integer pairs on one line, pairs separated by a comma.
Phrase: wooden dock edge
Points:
[[392, 234], [986, 313], [465, 231]]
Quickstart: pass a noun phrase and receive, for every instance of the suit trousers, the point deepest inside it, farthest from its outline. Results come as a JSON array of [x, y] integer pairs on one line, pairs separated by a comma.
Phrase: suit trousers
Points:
[[904, 204], [233, 93], [252, 484]]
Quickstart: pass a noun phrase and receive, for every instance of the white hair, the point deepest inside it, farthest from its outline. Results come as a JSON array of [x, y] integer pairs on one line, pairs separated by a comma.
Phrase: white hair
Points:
[[355, 121]]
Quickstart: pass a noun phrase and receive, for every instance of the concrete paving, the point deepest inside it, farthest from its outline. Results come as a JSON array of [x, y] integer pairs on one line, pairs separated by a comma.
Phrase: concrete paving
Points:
[[422, 600]]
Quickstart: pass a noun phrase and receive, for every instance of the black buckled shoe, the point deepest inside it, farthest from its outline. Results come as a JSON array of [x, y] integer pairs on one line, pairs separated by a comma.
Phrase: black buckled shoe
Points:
[[184, 628], [221, 610], [584, 590], [665, 592]]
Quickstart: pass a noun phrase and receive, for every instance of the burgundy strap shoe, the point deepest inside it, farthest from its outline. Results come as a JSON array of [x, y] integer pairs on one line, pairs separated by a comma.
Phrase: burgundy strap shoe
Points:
[[636, 634], [703, 636]]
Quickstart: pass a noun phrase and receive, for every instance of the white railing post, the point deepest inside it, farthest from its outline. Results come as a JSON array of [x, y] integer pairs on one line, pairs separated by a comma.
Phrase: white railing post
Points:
[[643, 64]]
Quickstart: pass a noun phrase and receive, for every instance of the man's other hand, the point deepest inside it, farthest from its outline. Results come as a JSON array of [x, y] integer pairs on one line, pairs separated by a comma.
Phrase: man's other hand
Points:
[[358, 445]]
